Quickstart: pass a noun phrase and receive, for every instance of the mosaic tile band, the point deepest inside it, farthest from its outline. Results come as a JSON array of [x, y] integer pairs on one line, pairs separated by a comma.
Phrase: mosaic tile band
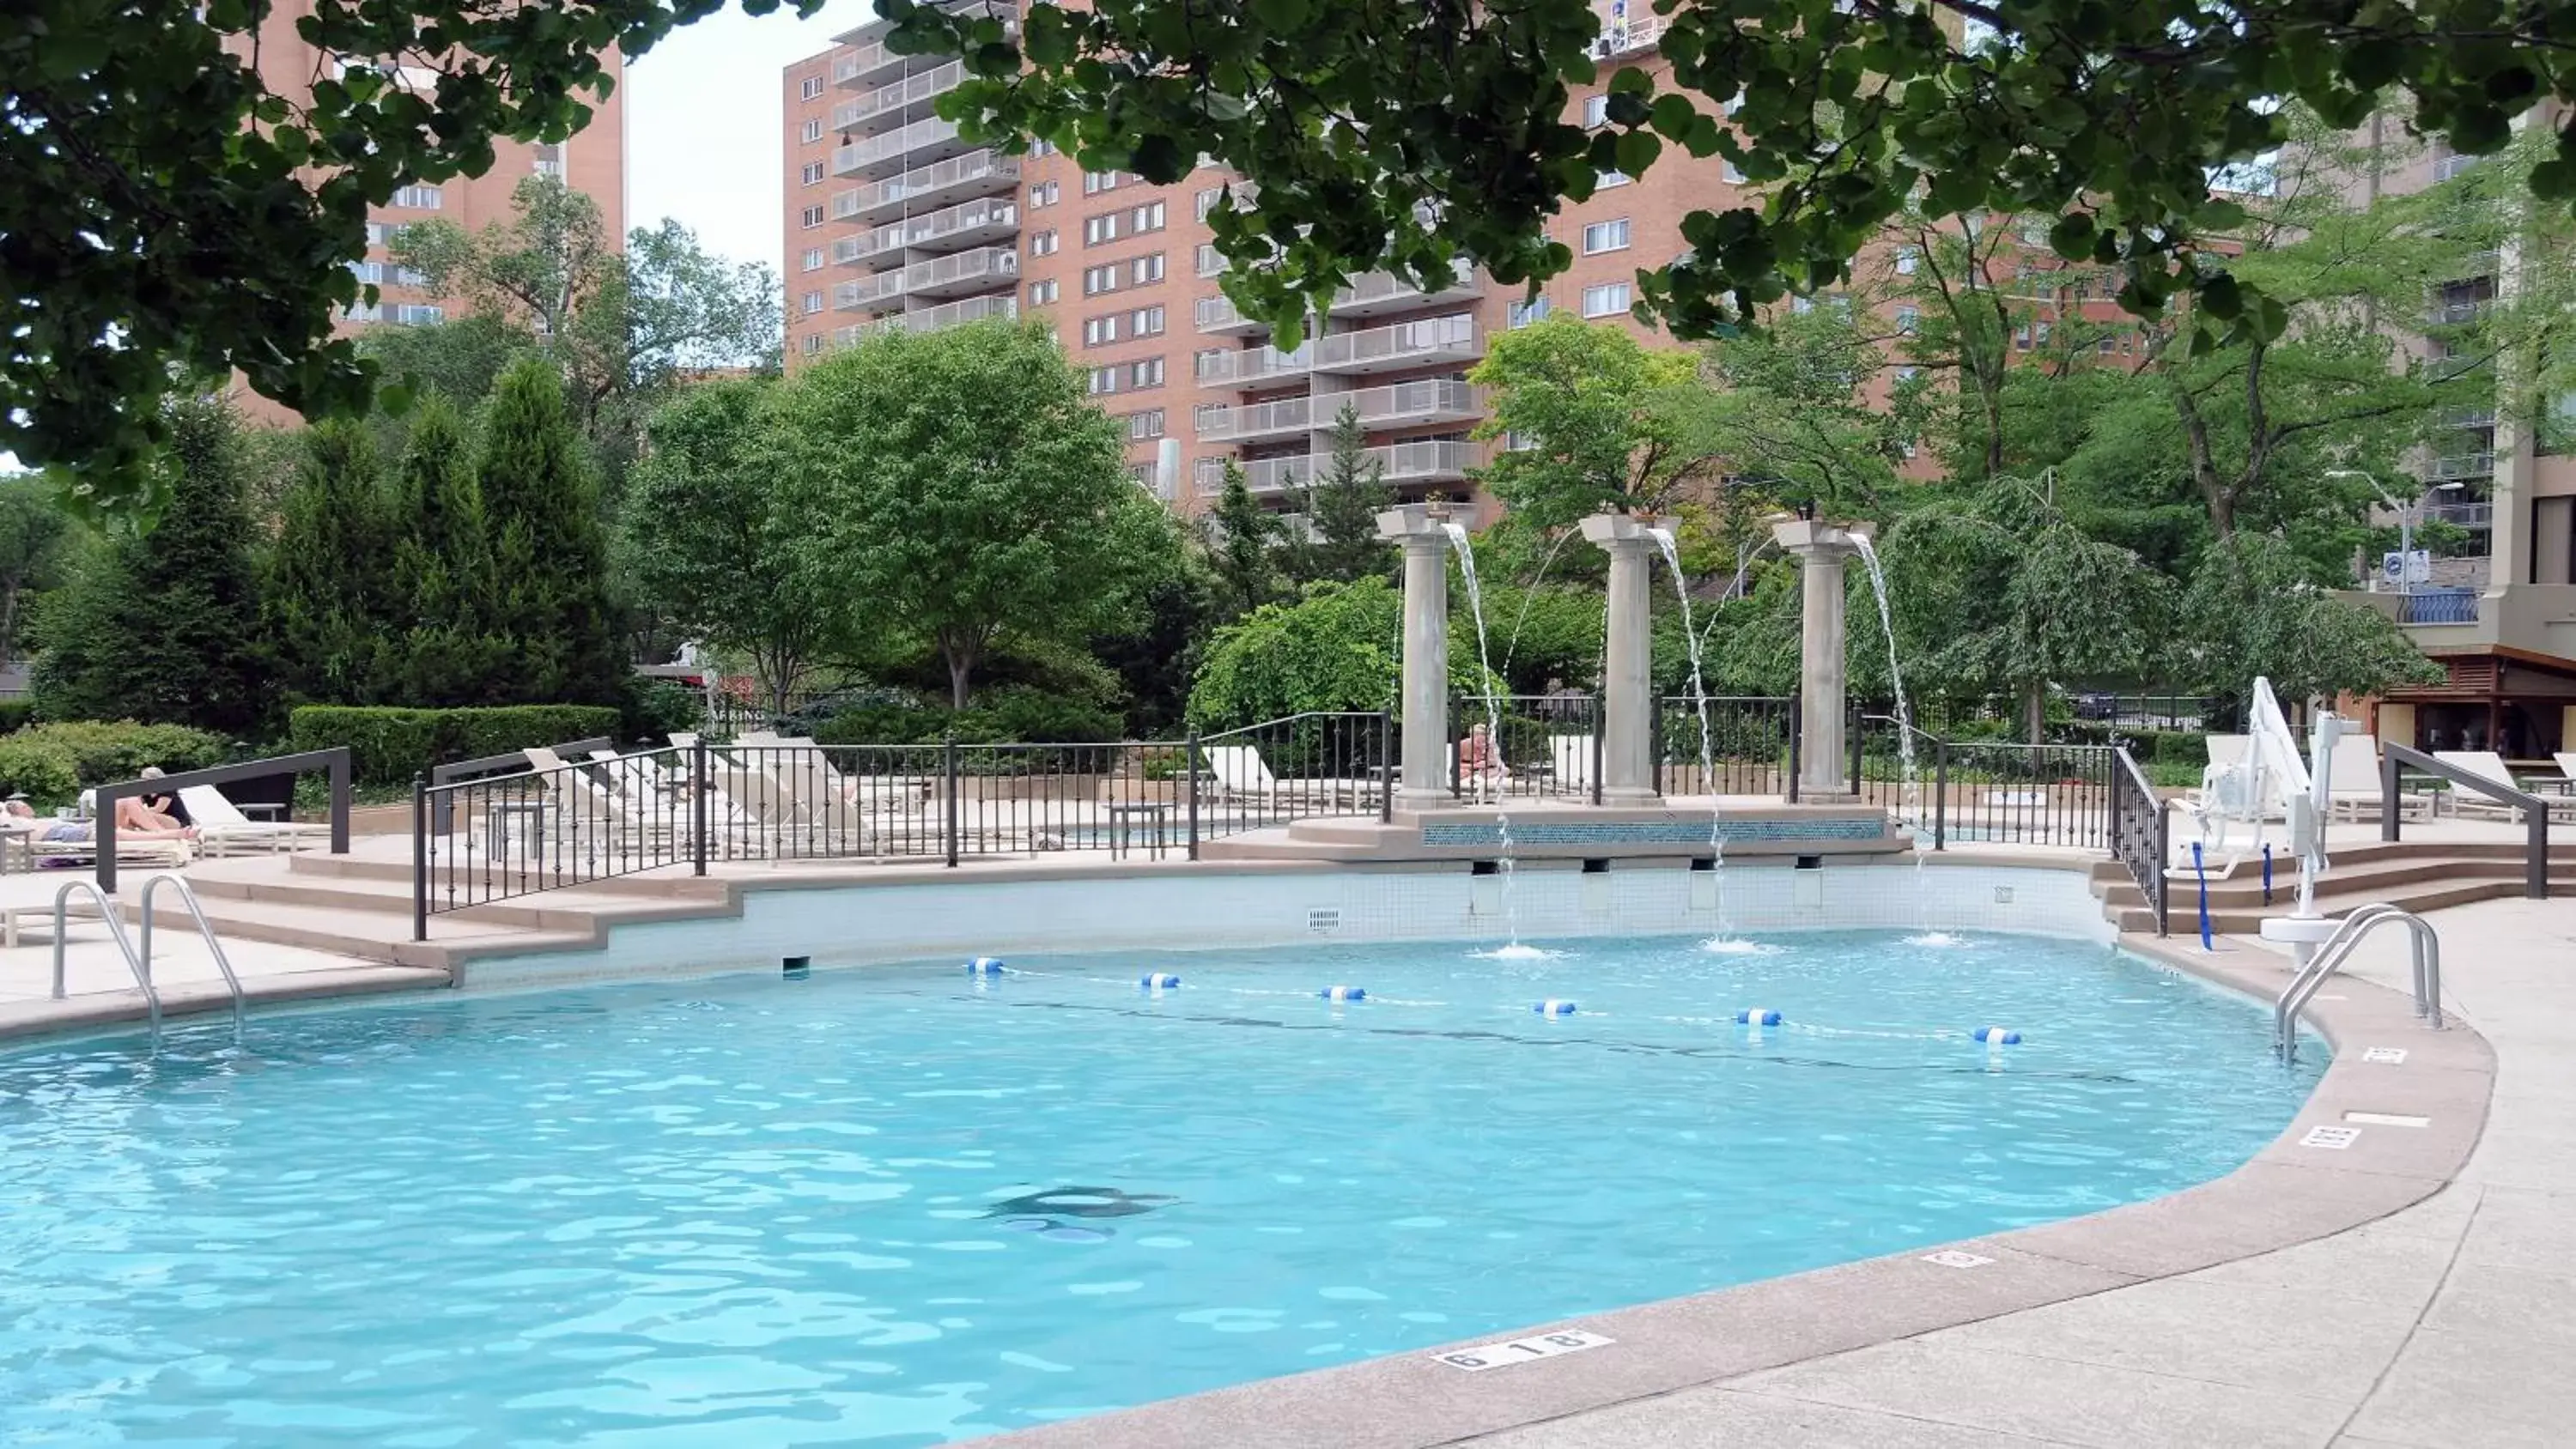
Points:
[[1649, 832]]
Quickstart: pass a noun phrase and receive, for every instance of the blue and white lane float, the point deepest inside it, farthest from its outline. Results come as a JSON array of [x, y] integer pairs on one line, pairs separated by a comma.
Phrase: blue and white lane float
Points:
[[1757, 1016], [1553, 1007], [1997, 1036], [986, 966], [1344, 993], [1159, 981]]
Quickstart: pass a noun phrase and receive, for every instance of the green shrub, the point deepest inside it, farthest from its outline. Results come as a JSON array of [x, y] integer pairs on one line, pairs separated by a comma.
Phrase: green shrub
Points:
[[1014, 715], [16, 714], [389, 744], [653, 708], [53, 762]]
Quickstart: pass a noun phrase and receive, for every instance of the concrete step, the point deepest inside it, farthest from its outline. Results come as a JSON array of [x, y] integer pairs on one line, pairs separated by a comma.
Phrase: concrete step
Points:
[[2245, 892], [2183, 913], [371, 935], [566, 909], [663, 884]]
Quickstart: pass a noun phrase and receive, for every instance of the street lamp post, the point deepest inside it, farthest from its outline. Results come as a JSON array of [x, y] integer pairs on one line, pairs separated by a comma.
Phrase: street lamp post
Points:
[[2407, 514]]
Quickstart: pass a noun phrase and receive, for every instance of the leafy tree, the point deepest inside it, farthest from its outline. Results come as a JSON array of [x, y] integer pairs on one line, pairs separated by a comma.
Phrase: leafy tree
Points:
[[459, 358], [1240, 537], [1342, 505], [1155, 660], [34, 542], [326, 600], [1336, 648], [2257, 610], [971, 489], [712, 539], [165, 628], [452, 644], [1605, 422], [1789, 413], [549, 553]]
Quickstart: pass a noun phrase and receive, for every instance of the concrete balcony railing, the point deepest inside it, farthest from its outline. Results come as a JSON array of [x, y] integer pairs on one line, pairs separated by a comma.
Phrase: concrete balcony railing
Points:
[[926, 188], [1284, 418], [2540, 618], [1418, 462], [1404, 405], [905, 97], [1254, 365], [948, 314], [899, 150], [868, 62], [1406, 344], [1635, 35], [1373, 295], [980, 270], [984, 220]]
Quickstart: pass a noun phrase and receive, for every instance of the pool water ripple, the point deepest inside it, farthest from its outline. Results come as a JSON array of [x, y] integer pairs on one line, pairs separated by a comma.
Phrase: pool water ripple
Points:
[[894, 1207]]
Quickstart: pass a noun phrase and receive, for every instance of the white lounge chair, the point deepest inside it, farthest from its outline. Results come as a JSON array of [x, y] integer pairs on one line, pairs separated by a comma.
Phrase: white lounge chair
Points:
[[29, 900], [2488, 765], [1572, 757], [222, 828], [2353, 783], [2565, 785]]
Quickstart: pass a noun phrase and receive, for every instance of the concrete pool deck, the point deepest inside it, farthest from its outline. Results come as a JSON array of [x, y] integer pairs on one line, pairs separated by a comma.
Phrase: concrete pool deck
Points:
[[2417, 1287]]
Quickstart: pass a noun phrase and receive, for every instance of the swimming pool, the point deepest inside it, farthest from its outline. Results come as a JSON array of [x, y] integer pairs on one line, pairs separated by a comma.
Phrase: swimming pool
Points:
[[899, 1206]]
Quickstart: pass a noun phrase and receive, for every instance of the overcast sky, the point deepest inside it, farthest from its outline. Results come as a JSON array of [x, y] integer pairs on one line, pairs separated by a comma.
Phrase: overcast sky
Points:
[[702, 125]]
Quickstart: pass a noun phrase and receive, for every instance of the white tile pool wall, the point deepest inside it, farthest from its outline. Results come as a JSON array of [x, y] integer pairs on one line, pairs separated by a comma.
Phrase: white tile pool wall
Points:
[[1254, 907]]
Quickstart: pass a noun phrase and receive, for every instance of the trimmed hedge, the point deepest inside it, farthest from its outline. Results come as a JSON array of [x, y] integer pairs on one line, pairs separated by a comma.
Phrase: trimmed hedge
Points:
[[16, 714], [389, 744], [52, 762], [1007, 716]]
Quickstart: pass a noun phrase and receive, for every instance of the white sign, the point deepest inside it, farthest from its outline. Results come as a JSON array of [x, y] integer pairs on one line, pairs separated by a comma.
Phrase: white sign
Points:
[[1953, 1258], [2407, 568], [2337, 1138], [1522, 1350], [2390, 1056]]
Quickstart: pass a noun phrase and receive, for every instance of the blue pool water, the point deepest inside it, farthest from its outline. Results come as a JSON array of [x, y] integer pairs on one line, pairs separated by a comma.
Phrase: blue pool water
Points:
[[895, 1207]]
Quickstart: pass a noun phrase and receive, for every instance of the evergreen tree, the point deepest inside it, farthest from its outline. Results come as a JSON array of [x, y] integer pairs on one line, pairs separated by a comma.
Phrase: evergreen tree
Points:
[[164, 627], [549, 553], [453, 646], [1239, 546], [1342, 507], [327, 593]]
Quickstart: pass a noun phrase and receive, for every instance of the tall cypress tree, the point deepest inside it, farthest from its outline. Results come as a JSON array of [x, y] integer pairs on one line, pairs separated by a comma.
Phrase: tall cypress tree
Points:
[[328, 596], [453, 645], [549, 554], [1343, 505], [1241, 531], [164, 627]]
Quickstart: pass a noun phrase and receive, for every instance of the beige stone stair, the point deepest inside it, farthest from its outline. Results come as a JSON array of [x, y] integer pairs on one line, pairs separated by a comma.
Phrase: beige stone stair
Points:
[[2414, 876]]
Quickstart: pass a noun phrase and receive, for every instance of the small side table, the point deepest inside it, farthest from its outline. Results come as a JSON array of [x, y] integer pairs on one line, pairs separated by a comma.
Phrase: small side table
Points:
[[1122, 822], [498, 813]]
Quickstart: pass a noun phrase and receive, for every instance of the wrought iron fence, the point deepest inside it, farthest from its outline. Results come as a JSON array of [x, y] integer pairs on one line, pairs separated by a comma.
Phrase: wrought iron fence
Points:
[[2139, 836], [1301, 767], [1994, 791], [1550, 747], [484, 840], [1751, 745]]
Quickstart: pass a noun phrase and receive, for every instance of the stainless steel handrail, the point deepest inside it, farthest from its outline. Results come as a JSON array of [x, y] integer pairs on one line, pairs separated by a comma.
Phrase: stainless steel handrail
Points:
[[205, 929], [141, 967], [2339, 947]]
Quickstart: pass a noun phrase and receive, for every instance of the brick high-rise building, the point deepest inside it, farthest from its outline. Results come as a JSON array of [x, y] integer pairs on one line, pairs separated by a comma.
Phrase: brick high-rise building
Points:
[[891, 220]]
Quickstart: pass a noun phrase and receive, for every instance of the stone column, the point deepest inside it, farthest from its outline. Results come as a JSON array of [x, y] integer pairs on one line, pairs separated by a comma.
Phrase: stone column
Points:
[[1419, 529], [1821, 549], [1627, 680]]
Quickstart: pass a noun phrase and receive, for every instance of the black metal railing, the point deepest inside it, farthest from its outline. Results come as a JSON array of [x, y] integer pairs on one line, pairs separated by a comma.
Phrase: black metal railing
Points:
[[333, 763], [1550, 747], [2139, 833], [1752, 745], [2395, 759], [1987, 791], [1302, 767]]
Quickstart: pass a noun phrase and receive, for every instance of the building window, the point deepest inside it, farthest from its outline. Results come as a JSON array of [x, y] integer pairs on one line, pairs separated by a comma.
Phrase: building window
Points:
[[1144, 425], [1907, 259], [1148, 269], [1210, 260], [1148, 373], [1043, 243], [813, 259], [424, 198], [1906, 373], [1148, 217], [813, 132], [2021, 338], [1605, 236], [1146, 322], [813, 343], [1730, 172], [1099, 331], [364, 312], [1042, 147], [1909, 320], [813, 303], [1608, 179], [811, 174], [1103, 379], [1044, 193], [1596, 111], [813, 216], [1096, 280], [1096, 182], [1098, 229], [1208, 199], [1607, 300], [1524, 313], [419, 314], [1042, 293], [812, 87], [1208, 361], [548, 159]]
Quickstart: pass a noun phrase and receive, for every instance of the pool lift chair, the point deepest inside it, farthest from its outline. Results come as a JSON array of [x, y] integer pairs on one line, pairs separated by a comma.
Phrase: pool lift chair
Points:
[[2246, 791]]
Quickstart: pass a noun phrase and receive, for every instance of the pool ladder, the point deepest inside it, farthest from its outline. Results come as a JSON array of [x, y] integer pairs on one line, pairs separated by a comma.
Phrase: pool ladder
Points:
[[139, 961], [2337, 949]]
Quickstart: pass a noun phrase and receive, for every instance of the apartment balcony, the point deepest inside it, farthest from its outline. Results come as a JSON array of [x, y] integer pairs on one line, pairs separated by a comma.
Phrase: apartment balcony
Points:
[[947, 314], [1406, 404], [1420, 462], [1254, 365], [981, 222], [869, 63], [940, 277], [880, 293], [926, 188], [902, 98], [1375, 295], [1219, 317], [900, 150], [2461, 466], [1637, 35], [1406, 344], [2461, 515]]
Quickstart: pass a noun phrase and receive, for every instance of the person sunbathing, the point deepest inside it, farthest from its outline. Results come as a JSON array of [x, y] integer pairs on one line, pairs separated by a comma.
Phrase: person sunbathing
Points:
[[85, 832], [1480, 765], [145, 814]]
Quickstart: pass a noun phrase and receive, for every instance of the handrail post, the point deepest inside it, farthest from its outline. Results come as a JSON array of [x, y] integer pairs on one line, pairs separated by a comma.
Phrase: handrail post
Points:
[[2164, 853], [1385, 774], [2388, 828], [698, 783], [1192, 766], [1851, 724], [419, 857], [102, 833], [2536, 865], [1598, 751], [339, 773], [948, 766], [1941, 796]]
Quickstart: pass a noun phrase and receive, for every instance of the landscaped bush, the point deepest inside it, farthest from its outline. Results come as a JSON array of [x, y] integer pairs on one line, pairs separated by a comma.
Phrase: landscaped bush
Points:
[[656, 707], [389, 744], [16, 714], [1005, 716], [52, 762]]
